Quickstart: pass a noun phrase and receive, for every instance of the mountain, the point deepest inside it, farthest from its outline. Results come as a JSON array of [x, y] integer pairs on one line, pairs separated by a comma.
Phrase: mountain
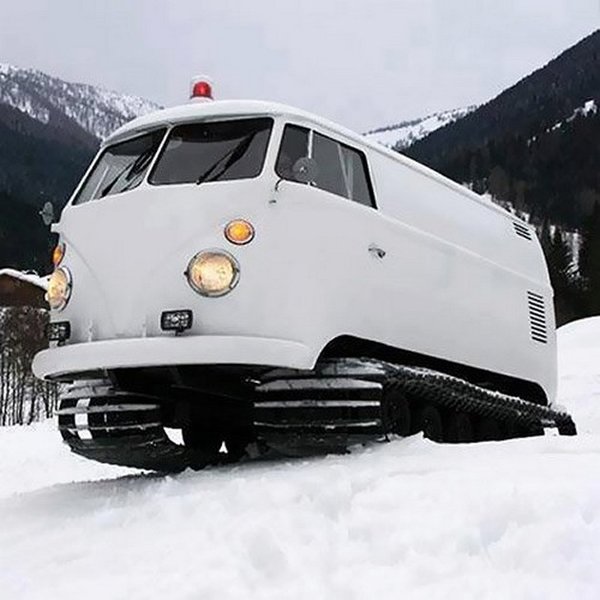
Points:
[[536, 145], [49, 131], [535, 149], [403, 134], [96, 110]]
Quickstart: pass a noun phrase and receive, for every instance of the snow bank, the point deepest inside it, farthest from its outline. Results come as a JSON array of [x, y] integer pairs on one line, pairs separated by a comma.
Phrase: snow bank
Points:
[[32, 457], [517, 519], [579, 368]]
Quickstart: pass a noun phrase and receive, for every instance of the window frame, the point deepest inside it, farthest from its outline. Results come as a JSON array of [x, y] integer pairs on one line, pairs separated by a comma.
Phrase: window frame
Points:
[[102, 151], [341, 144]]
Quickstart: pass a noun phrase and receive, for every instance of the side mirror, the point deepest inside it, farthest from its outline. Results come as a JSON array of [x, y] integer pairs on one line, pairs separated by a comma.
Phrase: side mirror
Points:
[[305, 170], [47, 214]]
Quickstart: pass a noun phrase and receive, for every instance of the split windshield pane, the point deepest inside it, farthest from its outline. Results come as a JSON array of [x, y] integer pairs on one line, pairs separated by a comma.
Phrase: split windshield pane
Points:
[[213, 151], [121, 167]]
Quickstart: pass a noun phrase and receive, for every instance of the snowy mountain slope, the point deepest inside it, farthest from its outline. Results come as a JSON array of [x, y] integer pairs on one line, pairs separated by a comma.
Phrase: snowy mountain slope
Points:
[[407, 519], [96, 110], [589, 108], [403, 134]]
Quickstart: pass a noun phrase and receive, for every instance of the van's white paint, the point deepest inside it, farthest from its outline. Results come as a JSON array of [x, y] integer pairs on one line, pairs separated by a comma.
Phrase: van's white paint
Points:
[[453, 283]]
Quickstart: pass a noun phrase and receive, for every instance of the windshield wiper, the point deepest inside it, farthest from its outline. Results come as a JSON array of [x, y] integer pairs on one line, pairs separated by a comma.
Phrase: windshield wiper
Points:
[[136, 167], [233, 156]]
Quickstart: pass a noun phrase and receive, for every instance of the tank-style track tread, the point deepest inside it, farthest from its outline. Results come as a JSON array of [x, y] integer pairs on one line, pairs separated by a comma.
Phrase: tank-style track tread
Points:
[[152, 451], [420, 387], [451, 393], [121, 428], [339, 402]]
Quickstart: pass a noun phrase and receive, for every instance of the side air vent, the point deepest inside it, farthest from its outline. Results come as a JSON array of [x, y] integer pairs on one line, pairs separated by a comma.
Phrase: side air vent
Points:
[[537, 317], [522, 230]]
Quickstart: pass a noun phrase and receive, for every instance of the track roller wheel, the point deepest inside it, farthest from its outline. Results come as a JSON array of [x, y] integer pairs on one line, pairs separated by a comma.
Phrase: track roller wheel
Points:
[[429, 421], [530, 430], [236, 443], [396, 412], [459, 428], [203, 446], [488, 430]]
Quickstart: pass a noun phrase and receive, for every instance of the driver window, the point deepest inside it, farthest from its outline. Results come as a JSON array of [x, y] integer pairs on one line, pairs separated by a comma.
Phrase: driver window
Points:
[[330, 176], [341, 170], [294, 145]]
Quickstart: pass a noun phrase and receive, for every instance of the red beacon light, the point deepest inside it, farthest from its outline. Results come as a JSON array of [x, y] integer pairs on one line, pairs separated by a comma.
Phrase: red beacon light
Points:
[[201, 89]]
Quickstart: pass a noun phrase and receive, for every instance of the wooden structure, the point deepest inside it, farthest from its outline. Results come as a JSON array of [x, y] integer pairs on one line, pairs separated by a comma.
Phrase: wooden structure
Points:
[[21, 289]]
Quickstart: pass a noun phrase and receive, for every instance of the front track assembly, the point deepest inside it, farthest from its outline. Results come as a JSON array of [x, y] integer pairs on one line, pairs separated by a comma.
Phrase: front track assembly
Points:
[[339, 403]]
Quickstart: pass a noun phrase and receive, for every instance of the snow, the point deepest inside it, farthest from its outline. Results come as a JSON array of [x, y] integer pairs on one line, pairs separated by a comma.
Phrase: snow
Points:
[[404, 134], [589, 108], [579, 382], [517, 519]]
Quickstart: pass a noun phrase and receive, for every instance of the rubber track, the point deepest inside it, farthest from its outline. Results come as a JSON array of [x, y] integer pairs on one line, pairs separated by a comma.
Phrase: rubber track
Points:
[[153, 450], [455, 394]]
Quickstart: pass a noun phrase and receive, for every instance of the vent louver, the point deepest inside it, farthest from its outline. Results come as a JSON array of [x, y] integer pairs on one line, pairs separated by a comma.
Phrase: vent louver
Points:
[[522, 230], [537, 317]]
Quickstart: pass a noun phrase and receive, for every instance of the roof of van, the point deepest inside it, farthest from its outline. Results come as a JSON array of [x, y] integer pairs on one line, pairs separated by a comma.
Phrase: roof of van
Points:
[[235, 108], [219, 108]]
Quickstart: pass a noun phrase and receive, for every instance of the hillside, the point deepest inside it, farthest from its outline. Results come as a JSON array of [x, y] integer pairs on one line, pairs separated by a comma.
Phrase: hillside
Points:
[[49, 131], [96, 110], [535, 149], [536, 145], [516, 519], [402, 135]]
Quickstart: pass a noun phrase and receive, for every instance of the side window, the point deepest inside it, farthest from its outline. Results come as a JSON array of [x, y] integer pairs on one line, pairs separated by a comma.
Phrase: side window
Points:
[[342, 170], [356, 175], [294, 145], [330, 176]]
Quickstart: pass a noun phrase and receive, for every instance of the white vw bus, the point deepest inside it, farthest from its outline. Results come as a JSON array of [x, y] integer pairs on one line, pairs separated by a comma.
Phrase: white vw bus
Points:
[[213, 245]]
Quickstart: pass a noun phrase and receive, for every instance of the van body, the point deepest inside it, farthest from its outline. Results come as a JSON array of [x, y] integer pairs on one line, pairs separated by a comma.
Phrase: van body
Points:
[[375, 255]]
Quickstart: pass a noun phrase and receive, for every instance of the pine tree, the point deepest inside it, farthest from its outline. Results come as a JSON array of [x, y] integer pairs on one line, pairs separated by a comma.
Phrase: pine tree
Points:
[[589, 261], [562, 271]]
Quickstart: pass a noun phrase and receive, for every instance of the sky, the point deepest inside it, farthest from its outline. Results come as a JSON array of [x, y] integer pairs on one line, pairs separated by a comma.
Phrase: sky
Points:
[[363, 63]]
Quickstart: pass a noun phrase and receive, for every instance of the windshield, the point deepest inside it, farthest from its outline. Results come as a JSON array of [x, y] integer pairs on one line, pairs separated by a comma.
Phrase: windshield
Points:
[[213, 151], [120, 167]]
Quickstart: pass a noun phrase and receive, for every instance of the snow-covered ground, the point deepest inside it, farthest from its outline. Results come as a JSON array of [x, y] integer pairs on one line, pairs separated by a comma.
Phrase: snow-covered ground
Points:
[[406, 519]]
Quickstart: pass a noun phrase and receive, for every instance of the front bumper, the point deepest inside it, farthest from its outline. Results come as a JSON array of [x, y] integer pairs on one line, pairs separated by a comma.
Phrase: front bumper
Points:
[[170, 351]]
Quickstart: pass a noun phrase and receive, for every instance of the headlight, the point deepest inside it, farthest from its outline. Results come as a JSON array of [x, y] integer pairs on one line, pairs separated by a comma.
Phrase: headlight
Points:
[[213, 272], [59, 289]]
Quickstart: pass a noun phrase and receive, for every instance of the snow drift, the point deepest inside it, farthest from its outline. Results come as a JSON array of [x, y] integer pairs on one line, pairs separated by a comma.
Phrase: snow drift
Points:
[[515, 519]]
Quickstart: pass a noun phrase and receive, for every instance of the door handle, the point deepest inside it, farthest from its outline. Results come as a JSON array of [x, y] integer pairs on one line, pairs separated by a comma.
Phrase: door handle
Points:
[[375, 250]]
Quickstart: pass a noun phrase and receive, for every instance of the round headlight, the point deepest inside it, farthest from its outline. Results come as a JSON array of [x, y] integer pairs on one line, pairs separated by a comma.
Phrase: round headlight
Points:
[[213, 272], [59, 289]]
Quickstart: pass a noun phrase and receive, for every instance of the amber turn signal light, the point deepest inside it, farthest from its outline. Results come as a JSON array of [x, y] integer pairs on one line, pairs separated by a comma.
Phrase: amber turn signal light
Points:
[[239, 232], [58, 254]]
